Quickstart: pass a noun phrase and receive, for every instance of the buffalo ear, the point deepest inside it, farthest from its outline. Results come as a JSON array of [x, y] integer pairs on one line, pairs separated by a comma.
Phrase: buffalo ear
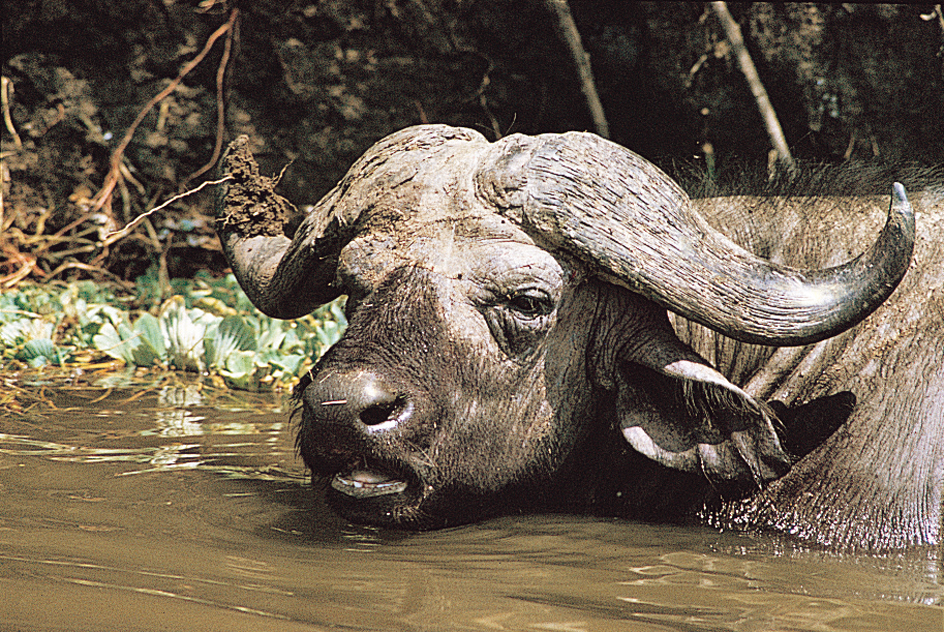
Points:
[[806, 426], [685, 415]]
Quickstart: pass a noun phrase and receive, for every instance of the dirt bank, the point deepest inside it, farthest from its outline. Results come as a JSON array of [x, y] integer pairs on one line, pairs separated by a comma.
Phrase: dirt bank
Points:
[[315, 83]]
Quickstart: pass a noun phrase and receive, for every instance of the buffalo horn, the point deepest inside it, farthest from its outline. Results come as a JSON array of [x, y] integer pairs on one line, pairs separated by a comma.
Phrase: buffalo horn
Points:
[[284, 277], [613, 209]]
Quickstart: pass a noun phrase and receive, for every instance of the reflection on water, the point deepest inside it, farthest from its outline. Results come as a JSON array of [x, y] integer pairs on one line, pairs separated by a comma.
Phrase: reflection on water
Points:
[[169, 505]]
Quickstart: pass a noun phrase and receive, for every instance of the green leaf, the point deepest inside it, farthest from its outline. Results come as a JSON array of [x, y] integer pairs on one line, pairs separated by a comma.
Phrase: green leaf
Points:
[[195, 330], [288, 364], [149, 348], [40, 351], [241, 362], [183, 336], [271, 335], [232, 334], [110, 341], [149, 329], [243, 371]]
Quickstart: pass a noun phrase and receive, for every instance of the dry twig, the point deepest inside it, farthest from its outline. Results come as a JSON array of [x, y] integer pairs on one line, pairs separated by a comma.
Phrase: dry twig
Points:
[[774, 131], [220, 101], [104, 195], [6, 89], [114, 236], [27, 263], [567, 29]]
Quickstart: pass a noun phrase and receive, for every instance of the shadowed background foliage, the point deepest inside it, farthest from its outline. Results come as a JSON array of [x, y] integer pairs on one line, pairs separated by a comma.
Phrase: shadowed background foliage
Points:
[[314, 83]]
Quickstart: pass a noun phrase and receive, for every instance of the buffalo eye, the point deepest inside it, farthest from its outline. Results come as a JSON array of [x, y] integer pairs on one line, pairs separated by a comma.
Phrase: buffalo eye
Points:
[[530, 304], [520, 319]]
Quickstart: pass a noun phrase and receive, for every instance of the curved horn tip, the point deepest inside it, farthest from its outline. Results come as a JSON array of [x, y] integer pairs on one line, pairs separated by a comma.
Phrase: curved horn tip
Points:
[[898, 192], [900, 199], [901, 207]]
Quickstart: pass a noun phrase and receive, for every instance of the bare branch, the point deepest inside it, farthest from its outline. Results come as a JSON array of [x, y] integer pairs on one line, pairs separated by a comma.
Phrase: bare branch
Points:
[[567, 29], [112, 237], [774, 131], [103, 197], [6, 90], [220, 100]]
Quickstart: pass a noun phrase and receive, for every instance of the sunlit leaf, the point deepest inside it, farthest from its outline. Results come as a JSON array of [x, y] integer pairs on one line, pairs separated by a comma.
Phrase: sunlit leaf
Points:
[[109, 341], [11, 334], [232, 334], [183, 336], [40, 351], [21, 331], [149, 348]]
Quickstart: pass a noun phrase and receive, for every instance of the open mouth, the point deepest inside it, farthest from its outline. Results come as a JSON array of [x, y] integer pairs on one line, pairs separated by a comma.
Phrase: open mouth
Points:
[[364, 483]]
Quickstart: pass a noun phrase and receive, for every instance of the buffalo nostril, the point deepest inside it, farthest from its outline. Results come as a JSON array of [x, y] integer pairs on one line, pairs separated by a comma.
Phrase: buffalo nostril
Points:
[[377, 406], [382, 412], [361, 400]]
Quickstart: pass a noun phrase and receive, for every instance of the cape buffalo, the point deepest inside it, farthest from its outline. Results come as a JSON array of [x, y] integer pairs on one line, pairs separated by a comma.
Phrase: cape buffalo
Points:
[[509, 347]]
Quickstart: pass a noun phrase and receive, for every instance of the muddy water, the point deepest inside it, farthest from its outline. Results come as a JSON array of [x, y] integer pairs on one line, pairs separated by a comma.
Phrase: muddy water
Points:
[[167, 506]]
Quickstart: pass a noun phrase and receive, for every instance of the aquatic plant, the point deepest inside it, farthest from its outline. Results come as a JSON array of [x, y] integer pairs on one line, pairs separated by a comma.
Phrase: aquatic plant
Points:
[[206, 325]]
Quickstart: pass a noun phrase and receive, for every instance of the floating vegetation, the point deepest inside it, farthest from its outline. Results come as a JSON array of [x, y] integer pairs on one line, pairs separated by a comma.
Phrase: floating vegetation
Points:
[[206, 325]]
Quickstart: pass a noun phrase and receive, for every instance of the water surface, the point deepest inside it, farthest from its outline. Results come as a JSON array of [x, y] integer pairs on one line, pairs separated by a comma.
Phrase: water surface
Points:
[[163, 504]]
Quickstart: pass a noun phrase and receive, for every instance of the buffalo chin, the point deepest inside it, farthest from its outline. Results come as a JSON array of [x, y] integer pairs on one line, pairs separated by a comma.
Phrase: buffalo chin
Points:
[[392, 505], [416, 507]]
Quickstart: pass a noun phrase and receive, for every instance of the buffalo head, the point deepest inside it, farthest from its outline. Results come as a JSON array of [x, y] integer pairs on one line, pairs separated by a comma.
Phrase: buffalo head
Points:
[[508, 329]]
